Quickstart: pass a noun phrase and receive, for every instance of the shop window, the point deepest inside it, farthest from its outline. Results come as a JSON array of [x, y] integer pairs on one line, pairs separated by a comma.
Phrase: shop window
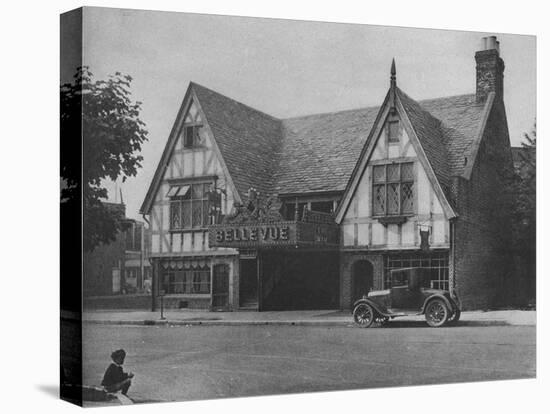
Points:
[[437, 263], [194, 280], [393, 189], [189, 206]]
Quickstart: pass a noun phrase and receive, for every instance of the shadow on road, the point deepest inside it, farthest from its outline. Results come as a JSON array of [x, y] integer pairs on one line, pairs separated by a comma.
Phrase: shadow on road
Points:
[[423, 324]]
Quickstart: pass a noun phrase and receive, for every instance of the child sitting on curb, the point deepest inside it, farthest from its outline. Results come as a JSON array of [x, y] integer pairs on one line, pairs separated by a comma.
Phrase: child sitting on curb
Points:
[[115, 379]]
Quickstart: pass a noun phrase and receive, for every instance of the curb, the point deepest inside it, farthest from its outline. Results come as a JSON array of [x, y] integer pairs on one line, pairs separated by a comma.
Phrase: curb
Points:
[[397, 324], [217, 323]]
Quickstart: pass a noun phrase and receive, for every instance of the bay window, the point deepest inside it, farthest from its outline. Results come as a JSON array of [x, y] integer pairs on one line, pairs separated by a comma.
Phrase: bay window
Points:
[[189, 206]]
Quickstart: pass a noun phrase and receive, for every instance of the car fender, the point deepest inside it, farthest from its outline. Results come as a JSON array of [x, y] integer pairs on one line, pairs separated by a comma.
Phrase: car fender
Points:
[[380, 309], [449, 305]]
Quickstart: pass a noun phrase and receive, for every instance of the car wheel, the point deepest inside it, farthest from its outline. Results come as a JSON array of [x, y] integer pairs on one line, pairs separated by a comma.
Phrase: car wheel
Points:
[[436, 313], [363, 315], [454, 318], [381, 320]]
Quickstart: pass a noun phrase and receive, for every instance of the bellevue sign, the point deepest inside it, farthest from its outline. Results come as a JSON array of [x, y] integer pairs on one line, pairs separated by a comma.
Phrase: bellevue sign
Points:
[[260, 233], [283, 233]]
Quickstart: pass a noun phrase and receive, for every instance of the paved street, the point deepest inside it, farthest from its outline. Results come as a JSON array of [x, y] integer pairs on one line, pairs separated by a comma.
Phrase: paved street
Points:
[[200, 362]]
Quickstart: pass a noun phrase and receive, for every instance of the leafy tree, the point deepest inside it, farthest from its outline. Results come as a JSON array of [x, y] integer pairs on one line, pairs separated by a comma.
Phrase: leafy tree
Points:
[[525, 207], [100, 123]]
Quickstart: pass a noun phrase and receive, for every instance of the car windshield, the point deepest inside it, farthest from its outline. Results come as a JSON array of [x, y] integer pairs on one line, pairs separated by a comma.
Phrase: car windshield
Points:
[[400, 278], [413, 278]]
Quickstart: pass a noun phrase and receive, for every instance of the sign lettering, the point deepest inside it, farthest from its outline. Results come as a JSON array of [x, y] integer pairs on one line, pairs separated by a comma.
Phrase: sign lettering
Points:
[[264, 233]]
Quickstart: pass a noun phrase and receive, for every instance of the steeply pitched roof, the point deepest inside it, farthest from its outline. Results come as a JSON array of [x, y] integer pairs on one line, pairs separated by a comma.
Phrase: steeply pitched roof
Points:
[[247, 138], [318, 153], [429, 132]]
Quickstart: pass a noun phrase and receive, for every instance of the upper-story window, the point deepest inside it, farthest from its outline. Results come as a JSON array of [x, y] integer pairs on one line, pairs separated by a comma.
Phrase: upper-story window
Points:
[[393, 131], [191, 137], [192, 125], [393, 189], [189, 206], [393, 128]]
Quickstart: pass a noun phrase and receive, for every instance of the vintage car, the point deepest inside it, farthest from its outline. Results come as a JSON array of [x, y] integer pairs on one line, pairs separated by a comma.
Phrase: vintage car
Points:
[[411, 293]]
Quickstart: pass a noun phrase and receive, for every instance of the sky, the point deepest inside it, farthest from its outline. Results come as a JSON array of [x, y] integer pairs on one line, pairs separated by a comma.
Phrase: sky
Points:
[[286, 68]]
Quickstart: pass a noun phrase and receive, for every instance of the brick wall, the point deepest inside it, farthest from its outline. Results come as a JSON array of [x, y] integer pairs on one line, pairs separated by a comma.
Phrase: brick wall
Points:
[[347, 260], [140, 301], [483, 259]]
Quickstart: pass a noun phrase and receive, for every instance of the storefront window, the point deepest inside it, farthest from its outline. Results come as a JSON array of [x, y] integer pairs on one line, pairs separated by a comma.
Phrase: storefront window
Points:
[[437, 262], [194, 280]]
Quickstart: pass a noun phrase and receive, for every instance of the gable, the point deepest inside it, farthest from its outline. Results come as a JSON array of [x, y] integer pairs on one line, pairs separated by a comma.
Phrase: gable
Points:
[[395, 153], [181, 163], [418, 125]]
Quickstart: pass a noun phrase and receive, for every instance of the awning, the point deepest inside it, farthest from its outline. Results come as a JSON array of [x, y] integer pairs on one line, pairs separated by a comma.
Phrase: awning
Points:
[[178, 190], [185, 263]]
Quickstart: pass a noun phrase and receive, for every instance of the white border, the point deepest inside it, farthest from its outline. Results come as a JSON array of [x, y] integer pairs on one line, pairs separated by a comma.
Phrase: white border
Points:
[[29, 171]]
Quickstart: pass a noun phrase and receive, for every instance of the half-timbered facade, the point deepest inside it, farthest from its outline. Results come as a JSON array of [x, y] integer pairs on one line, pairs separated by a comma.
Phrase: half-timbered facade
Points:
[[251, 211]]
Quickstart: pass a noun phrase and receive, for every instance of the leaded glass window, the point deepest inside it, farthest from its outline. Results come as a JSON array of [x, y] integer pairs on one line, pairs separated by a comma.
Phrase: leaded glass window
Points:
[[393, 172], [175, 215], [379, 197], [407, 203], [393, 198], [379, 173], [393, 189]]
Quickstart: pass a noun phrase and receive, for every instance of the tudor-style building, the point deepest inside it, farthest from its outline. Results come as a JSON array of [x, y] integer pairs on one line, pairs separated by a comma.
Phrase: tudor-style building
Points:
[[252, 211]]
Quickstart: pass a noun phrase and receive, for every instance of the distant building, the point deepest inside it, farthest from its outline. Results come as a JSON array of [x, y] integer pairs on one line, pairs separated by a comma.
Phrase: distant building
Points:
[[137, 268], [122, 266]]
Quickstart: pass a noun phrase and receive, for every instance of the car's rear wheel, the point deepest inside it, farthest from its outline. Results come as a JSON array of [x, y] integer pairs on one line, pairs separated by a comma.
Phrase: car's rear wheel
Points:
[[436, 313], [381, 320], [363, 315]]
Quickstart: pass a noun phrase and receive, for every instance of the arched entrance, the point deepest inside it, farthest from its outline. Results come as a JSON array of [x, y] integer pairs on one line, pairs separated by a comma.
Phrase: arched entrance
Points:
[[362, 278]]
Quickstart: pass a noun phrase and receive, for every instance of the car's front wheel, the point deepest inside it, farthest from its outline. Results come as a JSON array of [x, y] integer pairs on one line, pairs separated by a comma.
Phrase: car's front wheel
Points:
[[436, 313], [363, 315]]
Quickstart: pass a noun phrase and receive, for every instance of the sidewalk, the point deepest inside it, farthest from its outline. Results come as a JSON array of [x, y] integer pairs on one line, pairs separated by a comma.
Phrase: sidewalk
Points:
[[189, 317]]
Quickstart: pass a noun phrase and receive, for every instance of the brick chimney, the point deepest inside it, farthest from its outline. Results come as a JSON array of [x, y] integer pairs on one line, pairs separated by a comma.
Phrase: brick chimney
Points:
[[489, 69]]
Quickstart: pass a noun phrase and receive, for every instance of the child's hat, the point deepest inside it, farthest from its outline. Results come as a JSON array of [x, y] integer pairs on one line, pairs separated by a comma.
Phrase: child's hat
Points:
[[118, 353]]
